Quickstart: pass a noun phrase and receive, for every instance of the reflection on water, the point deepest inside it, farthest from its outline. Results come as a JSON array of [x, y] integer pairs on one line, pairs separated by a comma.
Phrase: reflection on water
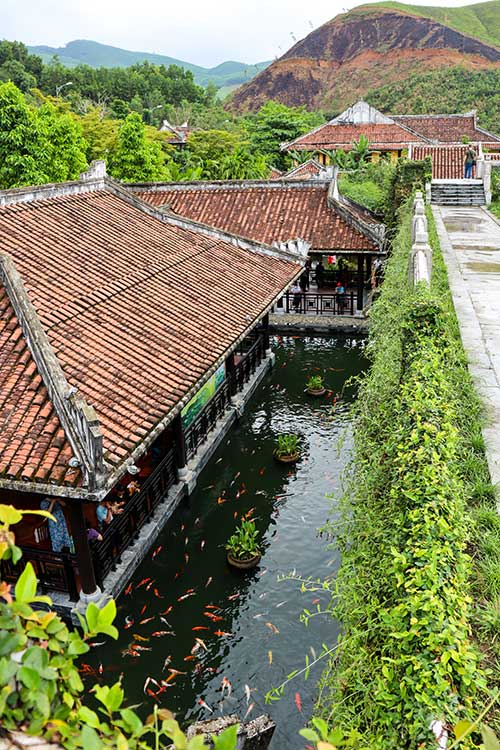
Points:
[[248, 624]]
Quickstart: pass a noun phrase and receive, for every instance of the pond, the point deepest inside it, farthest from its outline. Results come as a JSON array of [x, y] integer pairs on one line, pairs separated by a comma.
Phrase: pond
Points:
[[248, 624]]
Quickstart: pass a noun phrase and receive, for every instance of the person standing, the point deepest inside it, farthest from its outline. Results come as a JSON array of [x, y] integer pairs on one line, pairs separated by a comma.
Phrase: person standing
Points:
[[60, 539], [320, 273], [470, 162], [296, 297]]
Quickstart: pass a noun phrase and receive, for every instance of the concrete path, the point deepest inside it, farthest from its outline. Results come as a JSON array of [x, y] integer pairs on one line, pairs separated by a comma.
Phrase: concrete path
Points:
[[470, 241]]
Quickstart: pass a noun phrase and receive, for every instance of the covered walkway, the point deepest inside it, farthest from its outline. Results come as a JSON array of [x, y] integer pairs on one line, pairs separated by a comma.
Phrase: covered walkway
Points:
[[470, 241]]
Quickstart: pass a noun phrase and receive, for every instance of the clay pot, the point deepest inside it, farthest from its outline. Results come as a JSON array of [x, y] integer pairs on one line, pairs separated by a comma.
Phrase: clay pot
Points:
[[316, 392], [251, 562], [292, 459]]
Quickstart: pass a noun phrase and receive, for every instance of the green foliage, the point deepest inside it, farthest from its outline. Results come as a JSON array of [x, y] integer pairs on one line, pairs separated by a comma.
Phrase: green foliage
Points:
[[41, 690], [275, 124], [135, 159], [403, 590], [315, 383], [243, 543], [36, 146], [448, 90], [369, 185], [221, 155], [287, 445], [406, 178]]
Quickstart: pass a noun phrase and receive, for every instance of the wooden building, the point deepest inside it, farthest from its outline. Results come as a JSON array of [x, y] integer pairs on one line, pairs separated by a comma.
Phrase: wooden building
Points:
[[125, 334]]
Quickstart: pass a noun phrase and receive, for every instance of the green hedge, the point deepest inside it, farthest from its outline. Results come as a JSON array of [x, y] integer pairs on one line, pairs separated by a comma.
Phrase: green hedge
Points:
[[407, 536]]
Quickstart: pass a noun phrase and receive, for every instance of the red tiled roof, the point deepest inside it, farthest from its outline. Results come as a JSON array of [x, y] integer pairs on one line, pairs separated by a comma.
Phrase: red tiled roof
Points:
[[447, 128], [310, 168], [135, 308], [447, 161], [33, 446], [267, 213], [383, 136]]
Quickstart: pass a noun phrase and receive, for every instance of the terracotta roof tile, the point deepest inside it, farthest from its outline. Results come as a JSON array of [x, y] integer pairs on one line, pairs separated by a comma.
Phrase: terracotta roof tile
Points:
[[383, 136], [447, 128], [267, 213], [28, 421], [447, 161], [136, 310]]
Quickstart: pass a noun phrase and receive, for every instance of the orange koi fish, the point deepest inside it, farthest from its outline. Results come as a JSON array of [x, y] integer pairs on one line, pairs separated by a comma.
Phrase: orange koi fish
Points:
[[221, 500], [128, 589], [141, 583], [167, 611], [274, 630], [143, 609], [159, 633], [214, 618], [140, 638], [167, 662], [157, 551], [150, 584], [157, 594], [146, 619], [199, 627], [232, 597], [298, 702], [190, 657], [249, 710], [222, 634], [226, 685], [211, 606], [186, 596], [205, 705]]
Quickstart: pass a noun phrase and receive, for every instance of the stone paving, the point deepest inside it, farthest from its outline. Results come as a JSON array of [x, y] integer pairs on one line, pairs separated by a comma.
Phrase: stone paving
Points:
[[470, 241]]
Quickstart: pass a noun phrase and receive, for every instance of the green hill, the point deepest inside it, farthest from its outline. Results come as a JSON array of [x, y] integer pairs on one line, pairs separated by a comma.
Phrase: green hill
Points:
[[96, 55], [481, 21]]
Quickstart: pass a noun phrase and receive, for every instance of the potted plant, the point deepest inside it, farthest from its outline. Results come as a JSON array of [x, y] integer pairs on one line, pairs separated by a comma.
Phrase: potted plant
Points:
[[242, 548], [287, 451], [315, 386]]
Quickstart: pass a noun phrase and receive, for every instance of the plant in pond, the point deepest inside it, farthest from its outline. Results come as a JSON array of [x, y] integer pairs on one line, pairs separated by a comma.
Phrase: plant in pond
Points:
[[288, 446], [315, 383], [41, 692], [243, 544]]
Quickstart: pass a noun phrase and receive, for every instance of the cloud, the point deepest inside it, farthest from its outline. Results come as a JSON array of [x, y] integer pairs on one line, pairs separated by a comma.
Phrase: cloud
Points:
[[198, 32]]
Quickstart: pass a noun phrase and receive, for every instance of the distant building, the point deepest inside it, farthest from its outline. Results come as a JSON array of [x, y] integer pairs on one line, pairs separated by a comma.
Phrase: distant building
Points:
[[127, 337], [390, 136], [179, 133]]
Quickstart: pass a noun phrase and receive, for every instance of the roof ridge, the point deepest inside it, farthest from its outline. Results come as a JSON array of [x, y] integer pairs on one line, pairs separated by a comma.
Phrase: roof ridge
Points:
[[78, 419]]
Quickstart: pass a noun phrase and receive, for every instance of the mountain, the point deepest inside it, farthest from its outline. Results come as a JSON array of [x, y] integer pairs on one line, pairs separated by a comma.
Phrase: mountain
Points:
[[86, 52], [373, 46]]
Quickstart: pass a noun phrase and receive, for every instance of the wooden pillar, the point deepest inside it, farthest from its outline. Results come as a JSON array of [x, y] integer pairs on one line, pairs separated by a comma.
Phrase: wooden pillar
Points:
[[231, 374], [360, 284], [82, 547], [368, 273], [265, 330], [179, 444]]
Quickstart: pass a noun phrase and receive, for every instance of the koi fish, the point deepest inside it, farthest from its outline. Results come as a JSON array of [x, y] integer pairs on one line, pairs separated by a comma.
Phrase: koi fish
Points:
[[128, 589], [247, 693], [100, 669], [165, 622], [157, 551], [143, 610], [167, 611], [141, 583], [282, 603], [226, 685], [186, 558], [95, 644], [221, 500], [199, 627], [209, 581], [86, 669], [146, 619], [150, 584], [142, 648], [235, 515], [140, 638], [233, 597], [159, 633], [249, 710], [316, 601], [129, 621], [186, 541], [183, 526], [211, 606], [270, 657], [298, 702], [186, 596], [167, 662], [202, 545], [274, 630], [201, 643], [222, 634], [262, 471], [190, 657], [157, 594], [202, 702], [214, 618], [218, 460], [262, 573], [175, 672]]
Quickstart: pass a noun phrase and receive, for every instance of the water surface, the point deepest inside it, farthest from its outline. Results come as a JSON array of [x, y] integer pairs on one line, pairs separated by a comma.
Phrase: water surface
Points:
[[289, 505]]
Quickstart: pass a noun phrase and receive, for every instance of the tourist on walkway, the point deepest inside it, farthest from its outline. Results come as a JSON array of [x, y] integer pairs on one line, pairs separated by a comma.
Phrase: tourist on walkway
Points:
[[106, 511], [304, 281], [296, 297], [470, 162], [320, 273], [58, 530], [340, 294]]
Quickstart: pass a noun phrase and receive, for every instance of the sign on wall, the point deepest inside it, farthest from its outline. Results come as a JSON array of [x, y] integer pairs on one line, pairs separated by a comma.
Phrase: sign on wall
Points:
[[196, 404]]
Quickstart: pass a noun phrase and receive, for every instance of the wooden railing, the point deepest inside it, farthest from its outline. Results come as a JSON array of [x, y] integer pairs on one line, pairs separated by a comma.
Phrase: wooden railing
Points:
[[198, 431], [250, 361], [308, 303], [56, 571], [124, 529]]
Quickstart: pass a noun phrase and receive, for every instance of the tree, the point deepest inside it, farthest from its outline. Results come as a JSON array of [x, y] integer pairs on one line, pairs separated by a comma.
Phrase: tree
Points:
[[134, 158], [66, 157], [275, 124]]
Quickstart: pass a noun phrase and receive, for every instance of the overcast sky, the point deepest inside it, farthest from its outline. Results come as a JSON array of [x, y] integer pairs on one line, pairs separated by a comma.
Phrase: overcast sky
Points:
[[205, 32]]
